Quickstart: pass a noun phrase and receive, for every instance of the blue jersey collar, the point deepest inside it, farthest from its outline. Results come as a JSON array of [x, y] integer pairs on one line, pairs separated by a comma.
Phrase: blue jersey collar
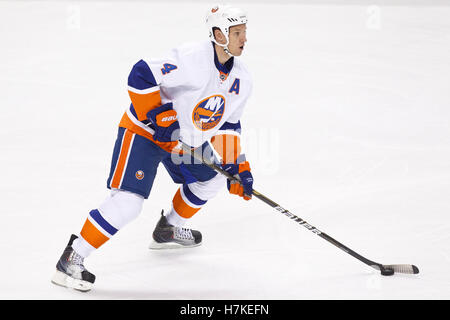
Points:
[[225, 68]]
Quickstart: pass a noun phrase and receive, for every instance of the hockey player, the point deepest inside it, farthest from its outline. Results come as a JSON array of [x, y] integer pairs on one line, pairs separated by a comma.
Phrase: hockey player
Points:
[[195, 95]]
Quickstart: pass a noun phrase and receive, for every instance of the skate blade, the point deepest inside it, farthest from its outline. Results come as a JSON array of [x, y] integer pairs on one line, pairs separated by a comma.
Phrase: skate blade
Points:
[[62, 279], [170, 245]]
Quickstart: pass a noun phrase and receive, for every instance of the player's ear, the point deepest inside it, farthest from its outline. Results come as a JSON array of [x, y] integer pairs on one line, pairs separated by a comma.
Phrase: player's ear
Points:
[[219, 36]]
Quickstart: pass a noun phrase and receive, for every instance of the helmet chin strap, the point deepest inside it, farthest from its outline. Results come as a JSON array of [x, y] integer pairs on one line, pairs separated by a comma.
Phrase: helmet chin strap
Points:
[[225, 47], [227, 51]]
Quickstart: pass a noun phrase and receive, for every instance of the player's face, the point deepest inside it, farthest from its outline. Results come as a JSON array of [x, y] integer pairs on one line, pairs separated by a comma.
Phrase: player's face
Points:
[[237, 37]]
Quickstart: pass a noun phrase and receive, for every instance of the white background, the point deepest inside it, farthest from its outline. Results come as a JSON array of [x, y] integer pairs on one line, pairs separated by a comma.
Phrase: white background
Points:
[[348, 128]]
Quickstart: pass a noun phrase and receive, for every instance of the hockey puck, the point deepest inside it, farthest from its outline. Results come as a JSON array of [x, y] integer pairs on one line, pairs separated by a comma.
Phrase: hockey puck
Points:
[[387, 272]]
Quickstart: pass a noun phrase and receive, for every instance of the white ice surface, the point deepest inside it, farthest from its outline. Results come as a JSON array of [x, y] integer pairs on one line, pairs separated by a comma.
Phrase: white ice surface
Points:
[[348, 127]]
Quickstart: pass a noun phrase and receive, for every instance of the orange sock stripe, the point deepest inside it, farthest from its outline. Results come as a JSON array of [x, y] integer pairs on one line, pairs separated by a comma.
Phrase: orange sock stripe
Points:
[[92, 235], [120, 165], [181, 207]]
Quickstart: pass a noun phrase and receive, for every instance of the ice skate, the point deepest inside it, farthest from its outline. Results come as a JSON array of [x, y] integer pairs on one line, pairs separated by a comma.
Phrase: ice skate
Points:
[[70, 271], [167, 236]]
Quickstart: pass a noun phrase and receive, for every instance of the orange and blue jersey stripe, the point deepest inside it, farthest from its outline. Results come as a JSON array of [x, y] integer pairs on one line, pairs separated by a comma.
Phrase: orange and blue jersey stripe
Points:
[[143, 90], [144, 93]]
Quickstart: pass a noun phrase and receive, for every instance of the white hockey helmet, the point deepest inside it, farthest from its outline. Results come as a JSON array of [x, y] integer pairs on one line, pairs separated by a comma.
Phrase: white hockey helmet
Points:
[[224, 17]]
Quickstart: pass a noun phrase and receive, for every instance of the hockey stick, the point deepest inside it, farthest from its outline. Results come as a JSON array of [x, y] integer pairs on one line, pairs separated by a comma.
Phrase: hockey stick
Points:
[[385, 269]]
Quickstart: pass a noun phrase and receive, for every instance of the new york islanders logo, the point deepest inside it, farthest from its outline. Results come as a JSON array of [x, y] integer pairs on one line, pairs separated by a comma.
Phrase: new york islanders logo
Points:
[[139, 174], [208, 112]]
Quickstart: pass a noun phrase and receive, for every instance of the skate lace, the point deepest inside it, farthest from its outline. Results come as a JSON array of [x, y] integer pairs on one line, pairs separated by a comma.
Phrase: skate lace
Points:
[[184, 234], [77, 260]]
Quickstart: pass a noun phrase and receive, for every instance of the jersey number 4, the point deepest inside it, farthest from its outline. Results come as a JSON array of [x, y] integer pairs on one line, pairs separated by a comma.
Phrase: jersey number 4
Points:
[[167, 68]]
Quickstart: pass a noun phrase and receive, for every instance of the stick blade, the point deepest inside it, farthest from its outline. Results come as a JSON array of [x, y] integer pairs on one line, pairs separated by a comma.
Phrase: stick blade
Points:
[[390, 269]]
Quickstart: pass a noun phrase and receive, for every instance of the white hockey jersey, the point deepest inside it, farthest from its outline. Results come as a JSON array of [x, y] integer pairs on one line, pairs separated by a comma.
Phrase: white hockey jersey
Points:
[[208, 97]]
